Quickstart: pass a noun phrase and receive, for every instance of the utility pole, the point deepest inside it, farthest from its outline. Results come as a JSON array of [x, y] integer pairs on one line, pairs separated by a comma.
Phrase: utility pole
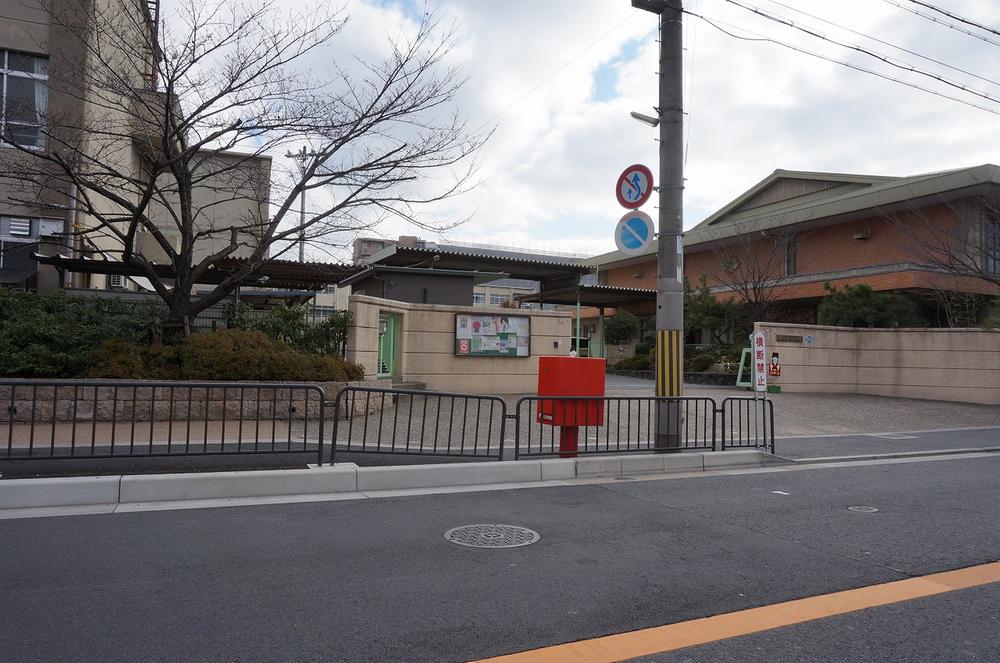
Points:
[[302, 158], [670, 223]]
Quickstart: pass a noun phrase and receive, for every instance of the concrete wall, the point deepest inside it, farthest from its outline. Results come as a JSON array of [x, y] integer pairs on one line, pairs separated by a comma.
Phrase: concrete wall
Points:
[[936, 364], [428, 346]]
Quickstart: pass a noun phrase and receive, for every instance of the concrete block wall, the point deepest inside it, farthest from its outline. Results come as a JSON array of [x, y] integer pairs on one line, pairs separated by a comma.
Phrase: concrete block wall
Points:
[[935, 364], [428, 346]]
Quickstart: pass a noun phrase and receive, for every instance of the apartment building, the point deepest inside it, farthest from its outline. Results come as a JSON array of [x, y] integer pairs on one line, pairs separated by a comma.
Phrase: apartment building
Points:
[[47, 58]]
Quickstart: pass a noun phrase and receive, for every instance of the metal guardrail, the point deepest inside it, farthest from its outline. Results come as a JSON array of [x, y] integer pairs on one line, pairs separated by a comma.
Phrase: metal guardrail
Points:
[[414, 422], [747, 422], [119, 418], [613, 424]]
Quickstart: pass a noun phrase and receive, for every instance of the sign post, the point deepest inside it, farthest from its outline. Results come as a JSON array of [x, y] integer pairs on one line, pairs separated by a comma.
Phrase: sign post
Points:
[[758, 345]]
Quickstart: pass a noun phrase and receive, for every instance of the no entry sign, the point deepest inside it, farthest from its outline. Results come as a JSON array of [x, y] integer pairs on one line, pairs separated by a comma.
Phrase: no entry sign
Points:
[[635, 186]]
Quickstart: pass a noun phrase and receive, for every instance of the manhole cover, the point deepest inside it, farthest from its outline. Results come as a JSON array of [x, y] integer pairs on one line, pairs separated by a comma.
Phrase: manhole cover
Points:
[[863, 509], [492, 536]]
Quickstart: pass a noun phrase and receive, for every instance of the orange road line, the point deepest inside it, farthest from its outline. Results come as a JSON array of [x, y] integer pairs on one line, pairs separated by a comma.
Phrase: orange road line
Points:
[[659, 639]]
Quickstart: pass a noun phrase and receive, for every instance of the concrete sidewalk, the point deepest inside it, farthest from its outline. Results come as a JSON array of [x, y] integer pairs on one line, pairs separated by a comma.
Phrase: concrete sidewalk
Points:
[[873, 444]]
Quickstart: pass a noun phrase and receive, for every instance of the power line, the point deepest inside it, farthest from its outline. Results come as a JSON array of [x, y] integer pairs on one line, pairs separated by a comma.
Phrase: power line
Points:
[[717, 25], [935, 19], [885, 43], [958, 18], [865, 51]]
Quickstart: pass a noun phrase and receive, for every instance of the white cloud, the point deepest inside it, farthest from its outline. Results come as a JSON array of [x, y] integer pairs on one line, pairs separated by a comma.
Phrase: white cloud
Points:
[[549, 171]]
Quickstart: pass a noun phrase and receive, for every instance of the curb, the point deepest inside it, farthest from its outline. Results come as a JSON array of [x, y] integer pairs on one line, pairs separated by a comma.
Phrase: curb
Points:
[[348, 478], [897, 454]]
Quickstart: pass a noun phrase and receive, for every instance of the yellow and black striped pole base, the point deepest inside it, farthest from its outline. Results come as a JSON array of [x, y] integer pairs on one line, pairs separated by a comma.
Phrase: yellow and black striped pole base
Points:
[[669, 362]]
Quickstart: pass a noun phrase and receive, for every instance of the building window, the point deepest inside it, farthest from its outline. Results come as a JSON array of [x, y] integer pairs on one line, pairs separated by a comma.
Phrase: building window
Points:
[[992, 247], [24, 88], [790, 256], [478, 298], [499, 300]]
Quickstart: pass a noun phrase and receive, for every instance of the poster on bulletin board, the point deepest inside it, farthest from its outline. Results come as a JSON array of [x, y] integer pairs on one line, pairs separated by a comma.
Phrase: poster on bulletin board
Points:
[[492, 335]]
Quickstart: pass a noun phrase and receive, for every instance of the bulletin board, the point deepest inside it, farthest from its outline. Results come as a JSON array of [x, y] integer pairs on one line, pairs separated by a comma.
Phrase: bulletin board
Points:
[[492, 335]]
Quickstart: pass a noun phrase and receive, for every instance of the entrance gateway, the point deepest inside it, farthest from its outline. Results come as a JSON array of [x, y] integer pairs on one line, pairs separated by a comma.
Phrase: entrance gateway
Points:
[[388, 344]]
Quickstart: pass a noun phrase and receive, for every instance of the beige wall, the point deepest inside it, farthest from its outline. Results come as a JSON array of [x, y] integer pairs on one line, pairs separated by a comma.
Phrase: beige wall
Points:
[[428, 347], [936, 364]]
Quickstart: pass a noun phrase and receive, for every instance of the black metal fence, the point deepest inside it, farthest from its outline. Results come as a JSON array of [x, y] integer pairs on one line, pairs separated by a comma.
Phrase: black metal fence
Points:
[[112, 418], [612, 424], [412, 422], [747, 422], [115, 418]]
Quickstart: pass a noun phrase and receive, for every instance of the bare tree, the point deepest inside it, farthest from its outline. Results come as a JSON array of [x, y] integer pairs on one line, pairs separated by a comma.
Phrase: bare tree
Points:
[[754, 266], [164, 152], [961, 238]]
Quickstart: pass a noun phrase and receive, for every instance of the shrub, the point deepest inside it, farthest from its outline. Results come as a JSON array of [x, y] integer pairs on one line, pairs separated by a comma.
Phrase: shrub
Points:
[[702, 362], [117, 359], [227, 354], [620, 328], [643, 362], [53, 335], [860, 306], [291, 325]]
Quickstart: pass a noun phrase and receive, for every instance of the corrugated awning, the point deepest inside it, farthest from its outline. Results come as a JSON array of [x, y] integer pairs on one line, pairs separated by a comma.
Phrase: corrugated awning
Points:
[[592, 295], [272, 274]]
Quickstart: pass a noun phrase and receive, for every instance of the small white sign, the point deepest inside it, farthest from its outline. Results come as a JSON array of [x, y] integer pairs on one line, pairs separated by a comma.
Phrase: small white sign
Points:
[[759, 354]]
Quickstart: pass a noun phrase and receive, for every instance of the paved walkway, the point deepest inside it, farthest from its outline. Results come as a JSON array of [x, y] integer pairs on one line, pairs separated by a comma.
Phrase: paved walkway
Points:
[[888, 443], [799, 414]]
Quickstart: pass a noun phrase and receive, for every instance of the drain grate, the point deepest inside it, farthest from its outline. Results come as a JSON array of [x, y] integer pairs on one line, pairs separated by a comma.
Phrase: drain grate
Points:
[[863, 509], [492, 536]]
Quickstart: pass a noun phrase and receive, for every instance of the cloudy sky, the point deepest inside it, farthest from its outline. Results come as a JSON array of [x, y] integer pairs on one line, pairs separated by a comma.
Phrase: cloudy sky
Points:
[[557, 78]]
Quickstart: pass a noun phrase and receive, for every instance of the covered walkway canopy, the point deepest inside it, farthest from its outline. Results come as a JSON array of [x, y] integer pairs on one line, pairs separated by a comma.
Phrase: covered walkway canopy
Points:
[[285, 274], [598, 296], [550, 272]]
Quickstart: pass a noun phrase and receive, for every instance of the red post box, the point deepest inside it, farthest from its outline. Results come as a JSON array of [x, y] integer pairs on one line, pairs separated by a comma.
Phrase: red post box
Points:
[[566, 377]]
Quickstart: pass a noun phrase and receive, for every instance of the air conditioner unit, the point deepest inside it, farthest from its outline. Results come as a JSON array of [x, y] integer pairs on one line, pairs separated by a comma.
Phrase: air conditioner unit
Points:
[[864, 233], [116, 281]]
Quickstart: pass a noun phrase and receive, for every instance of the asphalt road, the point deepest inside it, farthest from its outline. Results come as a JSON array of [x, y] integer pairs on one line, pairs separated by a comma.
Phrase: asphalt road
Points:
[[375, 580], [962, 626], [887, 443]]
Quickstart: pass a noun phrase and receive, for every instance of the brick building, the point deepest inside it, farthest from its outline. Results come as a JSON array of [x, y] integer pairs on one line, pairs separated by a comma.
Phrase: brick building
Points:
[[794, 232]]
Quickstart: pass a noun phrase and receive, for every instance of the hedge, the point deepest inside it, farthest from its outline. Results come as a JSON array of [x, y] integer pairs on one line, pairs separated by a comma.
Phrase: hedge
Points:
[[52, 335], [227, 354]]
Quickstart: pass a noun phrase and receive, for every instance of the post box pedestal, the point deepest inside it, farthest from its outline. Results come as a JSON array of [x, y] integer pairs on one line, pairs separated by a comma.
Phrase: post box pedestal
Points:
[[568, 441]]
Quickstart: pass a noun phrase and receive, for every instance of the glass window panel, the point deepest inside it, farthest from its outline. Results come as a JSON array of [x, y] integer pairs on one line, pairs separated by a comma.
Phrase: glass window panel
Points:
[[24, 134], [25, 100], [30, 64]]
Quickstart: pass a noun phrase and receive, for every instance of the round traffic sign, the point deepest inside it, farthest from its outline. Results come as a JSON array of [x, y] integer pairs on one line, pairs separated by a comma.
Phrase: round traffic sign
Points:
[[635, 186], [634, 233]]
